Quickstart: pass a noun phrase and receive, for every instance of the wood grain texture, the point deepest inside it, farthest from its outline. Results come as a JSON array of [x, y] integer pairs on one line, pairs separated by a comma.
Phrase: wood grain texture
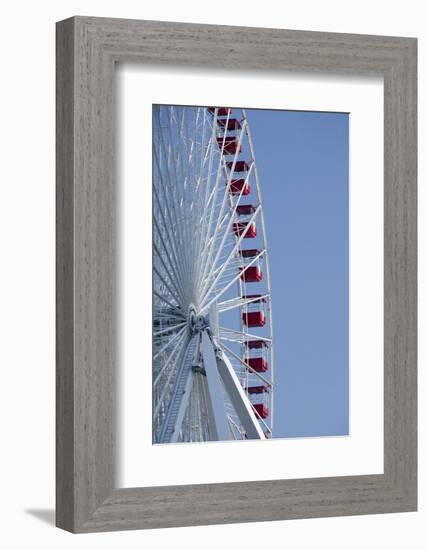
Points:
[[87, 49], [64, 276]]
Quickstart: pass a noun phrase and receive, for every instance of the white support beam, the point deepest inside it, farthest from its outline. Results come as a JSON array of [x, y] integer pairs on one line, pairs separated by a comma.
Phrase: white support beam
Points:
[[238, 398], [183, 406], [219, 426]]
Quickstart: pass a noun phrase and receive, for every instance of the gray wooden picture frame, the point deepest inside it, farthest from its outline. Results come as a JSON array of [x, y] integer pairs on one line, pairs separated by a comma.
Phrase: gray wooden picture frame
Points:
[[87, 50]]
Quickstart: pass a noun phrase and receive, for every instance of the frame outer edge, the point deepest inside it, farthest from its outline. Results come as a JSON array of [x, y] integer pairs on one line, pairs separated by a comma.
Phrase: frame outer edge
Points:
[[94, 275], [400, 314], [85, 383], [65, 73]]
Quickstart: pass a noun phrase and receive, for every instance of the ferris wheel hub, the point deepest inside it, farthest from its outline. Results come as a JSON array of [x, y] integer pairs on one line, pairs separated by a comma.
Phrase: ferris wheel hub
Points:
[[196, 323], [191, 314], [201, 323]]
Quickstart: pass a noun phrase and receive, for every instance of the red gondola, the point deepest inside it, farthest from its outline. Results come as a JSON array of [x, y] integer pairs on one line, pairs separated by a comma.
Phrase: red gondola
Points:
[[256, 390], [230, 145], [245, 209], [240, 228], [231, 124], [252, 274], [222, 111], [250, 252], [262, 410], [256, 344], [254, 318], [237, 185], [259, 364], [240, 166]]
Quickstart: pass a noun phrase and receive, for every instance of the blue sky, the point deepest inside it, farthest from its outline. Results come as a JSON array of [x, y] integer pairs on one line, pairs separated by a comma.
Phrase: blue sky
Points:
[[302, 160]]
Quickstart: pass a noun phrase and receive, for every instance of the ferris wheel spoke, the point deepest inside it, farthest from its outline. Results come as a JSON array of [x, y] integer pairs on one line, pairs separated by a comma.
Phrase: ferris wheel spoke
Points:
[[177, 297], [166, 269], [204, 305], [175, 238], [210, 203], [211, 148], [168, 191], [173, 274], [190, 151], [171, 277], [191, 195], [226, 194], [184, 157], [239, 302], [223, 281], [203, 156], [176, 142], [167, 315], [207, 228], [179, 349], [168, 344], [202, 191], [226, 234], [172, 241], [245, 335], [219, 227], [164, 299], [215, 237], [204, 291], [198, 188], [169, 329], [246, 365], [226, 273], [181, 340]]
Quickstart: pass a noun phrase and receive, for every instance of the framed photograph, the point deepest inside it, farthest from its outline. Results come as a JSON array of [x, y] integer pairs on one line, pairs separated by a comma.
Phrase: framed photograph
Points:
[[236, 274]]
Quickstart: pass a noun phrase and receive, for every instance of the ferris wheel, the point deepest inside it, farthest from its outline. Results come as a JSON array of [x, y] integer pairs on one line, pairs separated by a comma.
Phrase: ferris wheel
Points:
[[212, 314]]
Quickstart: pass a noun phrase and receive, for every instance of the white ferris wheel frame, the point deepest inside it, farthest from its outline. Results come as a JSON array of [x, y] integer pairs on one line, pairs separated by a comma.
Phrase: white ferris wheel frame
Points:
[[197, 378]]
